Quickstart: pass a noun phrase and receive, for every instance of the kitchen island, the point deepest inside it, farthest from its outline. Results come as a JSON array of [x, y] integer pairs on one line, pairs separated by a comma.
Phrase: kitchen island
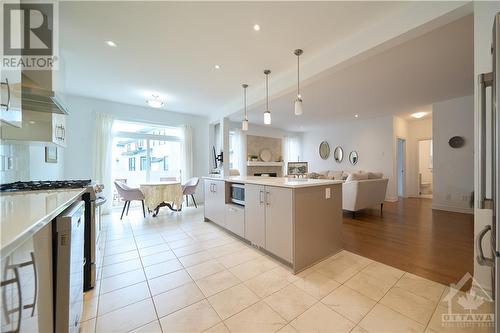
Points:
[[298, 221]]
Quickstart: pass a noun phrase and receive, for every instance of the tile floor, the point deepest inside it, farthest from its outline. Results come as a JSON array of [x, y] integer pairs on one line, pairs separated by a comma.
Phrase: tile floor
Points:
[[175, 273]]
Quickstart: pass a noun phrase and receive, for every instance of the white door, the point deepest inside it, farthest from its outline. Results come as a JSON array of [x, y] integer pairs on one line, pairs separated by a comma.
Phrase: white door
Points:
[[279, 222], [401, 151], [255, 214]]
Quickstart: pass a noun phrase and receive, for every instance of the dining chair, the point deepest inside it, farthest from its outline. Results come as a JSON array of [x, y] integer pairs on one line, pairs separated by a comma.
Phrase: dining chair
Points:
[[188, 189], [128, 194]]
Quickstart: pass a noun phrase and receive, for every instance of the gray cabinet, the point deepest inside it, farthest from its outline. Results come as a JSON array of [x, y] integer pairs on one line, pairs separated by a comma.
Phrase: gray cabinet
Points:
[[268, 219], [255, 214], [215, 201], [26, 285], [235, 219], [279, 211]]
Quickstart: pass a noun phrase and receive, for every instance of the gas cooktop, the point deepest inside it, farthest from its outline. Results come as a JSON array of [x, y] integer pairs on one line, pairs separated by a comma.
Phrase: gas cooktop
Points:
[[43, 185]]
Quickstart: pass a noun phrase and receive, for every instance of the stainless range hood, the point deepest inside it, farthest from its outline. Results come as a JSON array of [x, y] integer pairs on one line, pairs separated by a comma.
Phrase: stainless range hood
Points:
[[41, 100]]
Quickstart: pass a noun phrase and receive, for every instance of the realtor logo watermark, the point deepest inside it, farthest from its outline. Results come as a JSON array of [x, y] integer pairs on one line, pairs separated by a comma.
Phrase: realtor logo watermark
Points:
[[475, 308], [29, 36]]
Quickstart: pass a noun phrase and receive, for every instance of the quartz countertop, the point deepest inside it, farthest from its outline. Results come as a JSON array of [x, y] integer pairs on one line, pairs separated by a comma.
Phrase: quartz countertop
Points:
[[276, 181], [24, 213]]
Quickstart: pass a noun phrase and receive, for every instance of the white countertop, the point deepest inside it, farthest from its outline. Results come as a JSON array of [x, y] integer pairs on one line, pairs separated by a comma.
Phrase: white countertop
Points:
[[276, 181], [23, 213]]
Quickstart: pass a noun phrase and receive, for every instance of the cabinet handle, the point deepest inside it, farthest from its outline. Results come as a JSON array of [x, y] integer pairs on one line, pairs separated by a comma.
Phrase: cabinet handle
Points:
[[6, 105], [15, 280], [267, 198], [33, 263], [215, 188], [261, 200]]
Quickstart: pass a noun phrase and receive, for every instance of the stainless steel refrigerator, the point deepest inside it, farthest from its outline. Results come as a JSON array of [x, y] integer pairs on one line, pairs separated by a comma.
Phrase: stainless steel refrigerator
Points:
[[489, 152]]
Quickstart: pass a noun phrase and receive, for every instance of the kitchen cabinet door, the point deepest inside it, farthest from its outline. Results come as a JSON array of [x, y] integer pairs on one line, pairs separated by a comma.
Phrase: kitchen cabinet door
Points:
[[209, 200], [235, 219], [219, 202], [11, 108], [255, 214], [279, 210]]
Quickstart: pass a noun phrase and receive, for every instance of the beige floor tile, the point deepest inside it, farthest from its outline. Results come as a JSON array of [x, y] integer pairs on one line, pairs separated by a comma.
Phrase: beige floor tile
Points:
[[157, 258], [421, 287], [195, 259], [153, 250], [233, 259], [217, 282], [120, 257], [257, 318], [173, 236], [319, 318], [122, 297], [336, 271], [176, 299], [127, 318], [87, 326], [351, 259], [223, 250], [415, 307], [316, 284], [290, 302], [383, 272], [349, 303], [89, 308], [383, 319], [359, 329], [169, 281], [436, 324], [111, 250], [122, 267], [122, 280], [219, 328], [153, 327], [142, 244], [205, 269], [187, 250], [252, 268], [162, 268], [288, 329], [182, 243], [369, 285], [267, 283], [232, 300], [194, 318]]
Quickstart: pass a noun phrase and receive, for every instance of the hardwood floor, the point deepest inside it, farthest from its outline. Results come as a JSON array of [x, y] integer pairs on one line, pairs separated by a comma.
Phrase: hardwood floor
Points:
[[434, 244]]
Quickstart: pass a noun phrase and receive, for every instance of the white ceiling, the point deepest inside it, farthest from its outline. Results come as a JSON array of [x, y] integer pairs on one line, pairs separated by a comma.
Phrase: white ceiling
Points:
[[170, 48], [402, 80]]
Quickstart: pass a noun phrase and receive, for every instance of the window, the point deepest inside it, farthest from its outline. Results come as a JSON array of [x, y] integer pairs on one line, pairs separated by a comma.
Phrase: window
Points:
[[157, 149], [131, 164], [143, 162]]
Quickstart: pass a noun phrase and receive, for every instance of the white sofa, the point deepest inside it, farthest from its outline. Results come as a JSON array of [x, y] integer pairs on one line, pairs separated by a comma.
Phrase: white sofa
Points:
[[360, 194]]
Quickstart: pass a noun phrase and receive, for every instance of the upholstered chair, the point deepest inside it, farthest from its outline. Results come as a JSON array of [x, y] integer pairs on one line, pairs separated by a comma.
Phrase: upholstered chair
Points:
[[128, 194], [188, 189]]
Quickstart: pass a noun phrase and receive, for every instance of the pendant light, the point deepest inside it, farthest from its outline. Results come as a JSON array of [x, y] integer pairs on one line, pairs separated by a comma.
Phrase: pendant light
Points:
[[267, 113], [298, 100], [244, 123]]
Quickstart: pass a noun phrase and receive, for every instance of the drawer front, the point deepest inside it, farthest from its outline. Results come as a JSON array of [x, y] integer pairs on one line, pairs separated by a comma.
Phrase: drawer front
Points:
[[235, 220]]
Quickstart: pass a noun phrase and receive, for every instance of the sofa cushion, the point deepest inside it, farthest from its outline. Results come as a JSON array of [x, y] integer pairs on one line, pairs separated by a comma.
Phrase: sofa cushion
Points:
[[335, 174], [375, 175], [357, 176]]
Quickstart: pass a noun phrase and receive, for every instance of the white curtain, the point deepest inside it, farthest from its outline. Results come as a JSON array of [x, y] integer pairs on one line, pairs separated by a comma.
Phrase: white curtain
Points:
[[237, 144], [103, 141], [187, 153], [291, 151]]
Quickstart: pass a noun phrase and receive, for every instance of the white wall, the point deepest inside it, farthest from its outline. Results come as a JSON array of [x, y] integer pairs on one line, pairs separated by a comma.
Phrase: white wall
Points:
[[484, 13], [79, 154], [371, 138], [453, 180]]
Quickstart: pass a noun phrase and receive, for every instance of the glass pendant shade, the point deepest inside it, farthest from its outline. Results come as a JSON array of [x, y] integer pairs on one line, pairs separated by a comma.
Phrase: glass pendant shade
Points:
[[298, 106], [244, 125], [267, 118]]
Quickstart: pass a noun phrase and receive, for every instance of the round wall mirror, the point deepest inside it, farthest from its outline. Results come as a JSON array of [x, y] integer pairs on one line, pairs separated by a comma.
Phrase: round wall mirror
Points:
[[338, 154], [324, 150], [353, 157]]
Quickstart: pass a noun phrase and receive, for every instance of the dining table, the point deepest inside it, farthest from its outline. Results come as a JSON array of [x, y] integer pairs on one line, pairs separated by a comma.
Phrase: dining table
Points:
[[162, 194]]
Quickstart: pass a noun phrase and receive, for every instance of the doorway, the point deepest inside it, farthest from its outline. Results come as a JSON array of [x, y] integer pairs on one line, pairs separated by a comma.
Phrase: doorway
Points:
[[425, 168], [401, 158]]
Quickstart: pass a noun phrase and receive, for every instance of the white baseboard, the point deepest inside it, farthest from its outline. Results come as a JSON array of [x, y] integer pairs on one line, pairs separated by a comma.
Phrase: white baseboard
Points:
[[455, 209]]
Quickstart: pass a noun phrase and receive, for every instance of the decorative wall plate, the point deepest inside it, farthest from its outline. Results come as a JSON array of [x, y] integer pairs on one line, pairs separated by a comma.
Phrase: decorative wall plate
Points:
[[266, 155]]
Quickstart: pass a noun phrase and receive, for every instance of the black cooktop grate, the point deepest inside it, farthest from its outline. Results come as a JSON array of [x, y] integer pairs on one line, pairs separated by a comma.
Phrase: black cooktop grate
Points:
[[43, 185]]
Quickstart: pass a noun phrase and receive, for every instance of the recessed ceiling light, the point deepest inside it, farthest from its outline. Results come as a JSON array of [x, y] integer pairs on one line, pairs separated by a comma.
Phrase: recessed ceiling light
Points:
[[155, 102], [217, 67], [356, 116], [111, 43], [418, 115], [256, 27]]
